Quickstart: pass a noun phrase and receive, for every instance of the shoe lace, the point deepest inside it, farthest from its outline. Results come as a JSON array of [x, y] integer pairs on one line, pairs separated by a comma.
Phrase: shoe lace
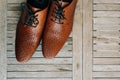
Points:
[[32, 19], [59, 12]]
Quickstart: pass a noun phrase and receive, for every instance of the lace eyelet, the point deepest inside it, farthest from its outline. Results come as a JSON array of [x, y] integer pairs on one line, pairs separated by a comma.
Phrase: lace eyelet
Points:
[[32, 19], [58, 11]]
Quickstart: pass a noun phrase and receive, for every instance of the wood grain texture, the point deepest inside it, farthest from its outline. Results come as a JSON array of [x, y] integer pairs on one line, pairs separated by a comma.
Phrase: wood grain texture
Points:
[[106, 1], [39, 68], [87, 39], [106, 79], [106, 27], [106, 61], [77, 43], [109, 14], [107, 68], [3, 63], [103, 54], [106, 40], [106, 7], [106, 74], [43, 79], [39, 74]]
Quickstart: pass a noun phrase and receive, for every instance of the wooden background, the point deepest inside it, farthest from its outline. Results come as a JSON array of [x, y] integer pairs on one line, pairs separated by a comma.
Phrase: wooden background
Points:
[[92, 51]]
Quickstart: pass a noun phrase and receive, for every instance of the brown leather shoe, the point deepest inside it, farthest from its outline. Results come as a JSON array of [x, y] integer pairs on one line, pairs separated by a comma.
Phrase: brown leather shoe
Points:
[[58, 26], [29, 30]]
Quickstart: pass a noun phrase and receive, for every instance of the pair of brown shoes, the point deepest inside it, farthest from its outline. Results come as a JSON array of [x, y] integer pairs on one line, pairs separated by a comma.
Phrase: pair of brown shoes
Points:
[[54, 29]]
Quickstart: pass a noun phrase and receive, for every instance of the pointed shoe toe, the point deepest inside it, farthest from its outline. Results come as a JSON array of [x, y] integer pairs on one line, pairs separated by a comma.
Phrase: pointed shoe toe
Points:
[[58, 26]]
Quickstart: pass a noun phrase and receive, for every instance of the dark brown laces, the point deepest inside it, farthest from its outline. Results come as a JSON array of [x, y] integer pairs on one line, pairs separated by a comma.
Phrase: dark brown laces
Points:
[[32, 19], [59, 12]]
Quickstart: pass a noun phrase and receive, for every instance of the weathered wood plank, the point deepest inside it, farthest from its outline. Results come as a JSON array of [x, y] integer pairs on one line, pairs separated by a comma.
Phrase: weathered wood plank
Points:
[[106, 74], [39, 68], [87, 39], [41, 61], [106, 61], [109, 21], [12, 20], [106, 47], [15, 1], [14, 7], [108, 54], [106, 79], [106, 27], [11, 27], [3, 63], [105, 40], [77, 43], [107, 7], [106, 34], [43, 79], [13, 14], [106, 68], [112, 14], [39, 74], [106, 1]]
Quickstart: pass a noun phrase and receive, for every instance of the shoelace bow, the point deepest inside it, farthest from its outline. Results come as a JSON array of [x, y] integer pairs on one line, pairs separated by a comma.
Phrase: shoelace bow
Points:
[[32, 19]]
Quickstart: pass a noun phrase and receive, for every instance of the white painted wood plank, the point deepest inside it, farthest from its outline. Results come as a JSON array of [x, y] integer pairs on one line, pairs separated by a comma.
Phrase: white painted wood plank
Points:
[[106, 68], [43, 61], [105, 40], [106, 79], [39, 68], [14, 7], [13, 14], [39, 74], [87, 39], [12, 20], [112, 14], [106, 47], [44, 79], [106, 1], [11, 27], [106, 27], [109, 61], [77, 43], [106, 34], [3, 63], [106, 74], [109, 21], [107, 7], [108, 54], [15, 1]]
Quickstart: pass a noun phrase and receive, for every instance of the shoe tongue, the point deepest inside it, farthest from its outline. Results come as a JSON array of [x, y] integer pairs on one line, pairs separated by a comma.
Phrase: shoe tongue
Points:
[[41, 4], [64, 3], [33, 9]]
